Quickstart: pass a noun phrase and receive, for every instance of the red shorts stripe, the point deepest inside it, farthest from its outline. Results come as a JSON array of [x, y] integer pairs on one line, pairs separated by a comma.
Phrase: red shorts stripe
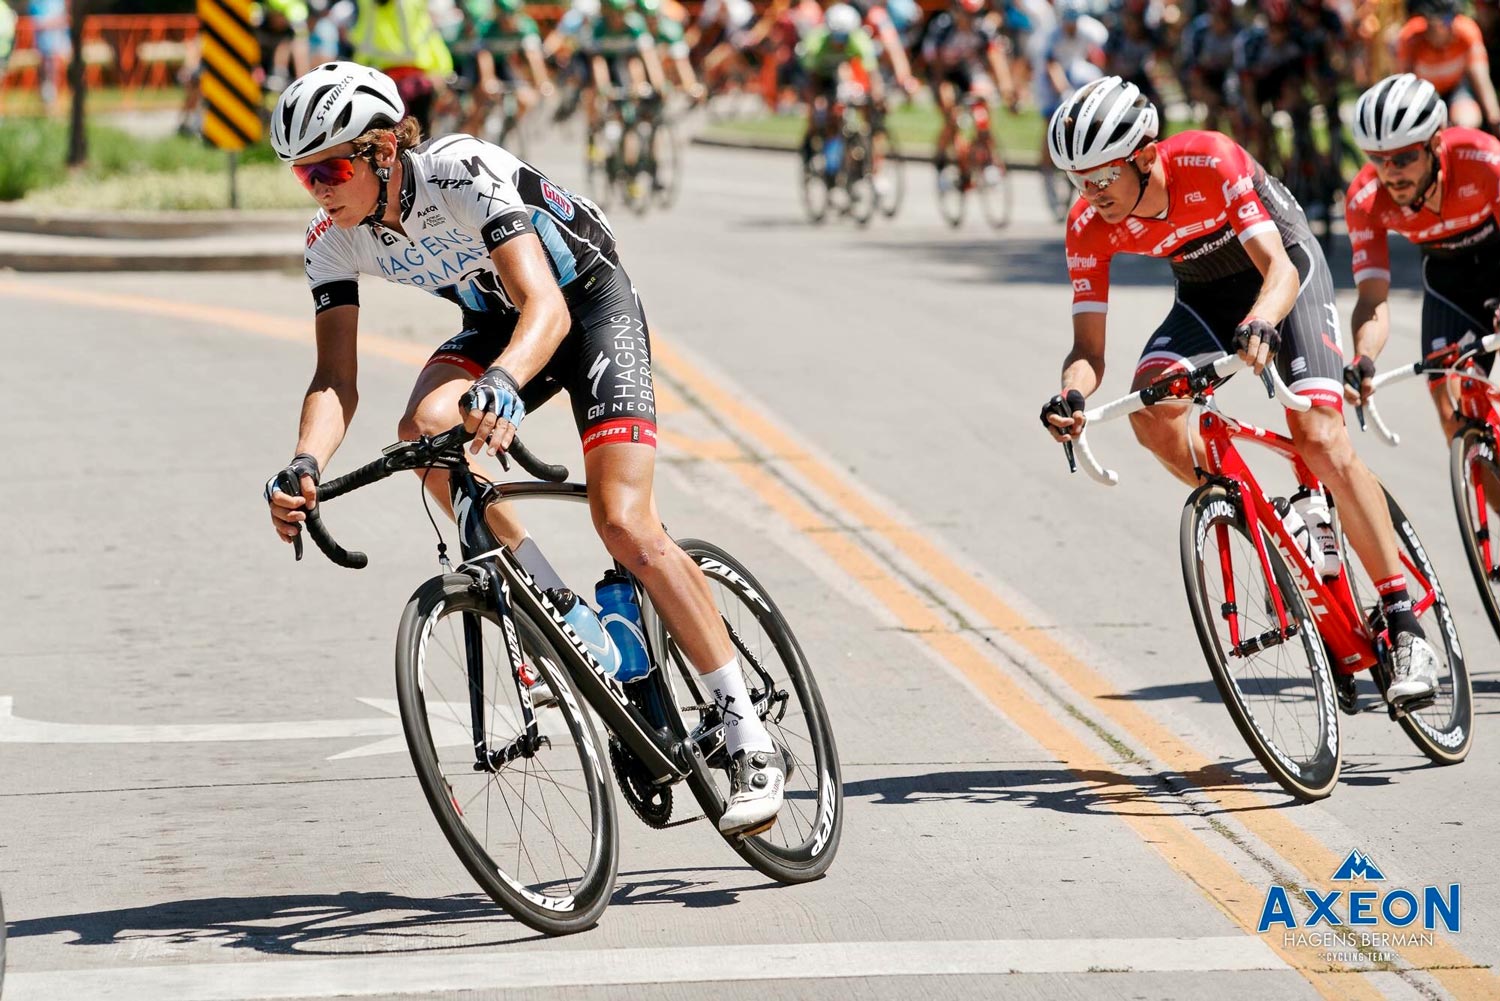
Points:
[[621, 431], [464, 362], [1323, 398]]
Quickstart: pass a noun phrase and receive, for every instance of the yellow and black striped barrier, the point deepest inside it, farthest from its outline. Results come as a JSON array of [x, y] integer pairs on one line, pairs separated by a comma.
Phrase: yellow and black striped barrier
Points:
[[231, 54]]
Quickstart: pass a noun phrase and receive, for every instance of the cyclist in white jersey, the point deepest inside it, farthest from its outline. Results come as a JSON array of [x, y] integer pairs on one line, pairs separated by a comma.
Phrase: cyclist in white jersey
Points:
[[546, 306]]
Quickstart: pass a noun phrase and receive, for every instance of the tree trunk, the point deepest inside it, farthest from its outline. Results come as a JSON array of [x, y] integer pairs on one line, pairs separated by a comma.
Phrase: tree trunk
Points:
[[78, 147]]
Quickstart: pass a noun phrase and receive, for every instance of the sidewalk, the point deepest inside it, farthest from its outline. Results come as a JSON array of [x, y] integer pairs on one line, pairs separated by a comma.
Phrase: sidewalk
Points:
[[252, 251]]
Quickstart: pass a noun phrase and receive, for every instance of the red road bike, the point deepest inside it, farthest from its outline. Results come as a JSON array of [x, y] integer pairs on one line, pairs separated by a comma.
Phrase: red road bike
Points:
[[1472, 468], [1284, 643]]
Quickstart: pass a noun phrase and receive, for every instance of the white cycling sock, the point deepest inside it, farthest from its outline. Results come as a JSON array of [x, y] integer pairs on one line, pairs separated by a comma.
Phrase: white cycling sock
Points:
[[743, 729]]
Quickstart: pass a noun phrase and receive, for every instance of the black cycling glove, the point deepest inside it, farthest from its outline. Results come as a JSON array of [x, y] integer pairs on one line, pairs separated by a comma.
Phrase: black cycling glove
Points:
[[1063, 405], [496, 392], [1254, 326], [1357, 371], [301, 465]]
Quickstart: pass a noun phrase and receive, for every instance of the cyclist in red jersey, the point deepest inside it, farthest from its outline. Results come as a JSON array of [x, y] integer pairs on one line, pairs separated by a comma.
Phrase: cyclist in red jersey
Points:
[[1440, 188], [1250, 279]]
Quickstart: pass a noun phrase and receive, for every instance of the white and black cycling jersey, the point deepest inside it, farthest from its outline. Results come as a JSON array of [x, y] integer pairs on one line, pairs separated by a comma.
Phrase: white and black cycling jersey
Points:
[[460, 198]]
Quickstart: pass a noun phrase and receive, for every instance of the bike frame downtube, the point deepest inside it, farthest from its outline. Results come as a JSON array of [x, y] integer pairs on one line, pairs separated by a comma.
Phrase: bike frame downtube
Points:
[[1338, 621], [512, 584]]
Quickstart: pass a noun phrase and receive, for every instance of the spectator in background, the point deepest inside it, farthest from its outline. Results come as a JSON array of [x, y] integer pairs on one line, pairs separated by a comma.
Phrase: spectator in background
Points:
[[400, 38], [7, 33], [1446, 49], [1487, 16], [50, 23], [1206, 58], [281, 29], [326, 28], [1132, 46]]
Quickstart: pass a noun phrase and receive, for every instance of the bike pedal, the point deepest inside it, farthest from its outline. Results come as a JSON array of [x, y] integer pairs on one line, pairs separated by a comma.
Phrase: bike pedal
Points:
[[751, 832], [1413, 706]]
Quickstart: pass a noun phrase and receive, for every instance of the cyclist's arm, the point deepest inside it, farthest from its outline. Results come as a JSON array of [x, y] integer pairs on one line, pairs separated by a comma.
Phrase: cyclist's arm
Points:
[[602, 82], [484, 59], [651, 59], [999, 66], [1484, 89], [539, 75], [544, 321], [1280, 283], [1083, 368], [1372, 318], [328, 407]]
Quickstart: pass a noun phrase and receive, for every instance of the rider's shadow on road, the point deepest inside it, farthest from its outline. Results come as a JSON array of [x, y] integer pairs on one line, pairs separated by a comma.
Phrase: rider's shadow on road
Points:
[[335, 924], [1097, 792]]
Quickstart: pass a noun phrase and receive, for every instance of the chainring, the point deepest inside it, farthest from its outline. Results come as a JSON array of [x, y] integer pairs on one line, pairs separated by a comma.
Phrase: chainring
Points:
[[651, 802]]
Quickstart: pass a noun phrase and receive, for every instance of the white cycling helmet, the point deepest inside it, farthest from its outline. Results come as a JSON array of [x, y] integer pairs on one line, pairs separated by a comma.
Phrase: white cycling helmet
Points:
[[1397, 112], [330, 105], [842, 20], [1105, 120]]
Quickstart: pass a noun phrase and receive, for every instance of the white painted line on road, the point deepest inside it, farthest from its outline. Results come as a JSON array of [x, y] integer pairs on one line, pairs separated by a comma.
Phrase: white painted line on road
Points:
[[505, 970]]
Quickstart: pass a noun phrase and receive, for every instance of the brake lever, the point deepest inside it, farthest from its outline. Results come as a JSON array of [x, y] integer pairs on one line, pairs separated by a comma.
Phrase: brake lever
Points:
[[287, 484], [1072, 459], [1265, 379]]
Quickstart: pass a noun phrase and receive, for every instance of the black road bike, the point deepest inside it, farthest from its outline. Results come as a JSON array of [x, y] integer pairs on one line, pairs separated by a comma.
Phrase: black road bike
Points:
[[521, 789]]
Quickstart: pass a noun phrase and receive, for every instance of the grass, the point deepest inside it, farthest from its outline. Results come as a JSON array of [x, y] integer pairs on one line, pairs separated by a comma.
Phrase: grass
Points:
[[127, 172], [28, 103], [915, 126]]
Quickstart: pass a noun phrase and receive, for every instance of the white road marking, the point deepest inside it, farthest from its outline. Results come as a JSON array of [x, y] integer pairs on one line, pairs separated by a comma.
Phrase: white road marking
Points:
[[563, 967]]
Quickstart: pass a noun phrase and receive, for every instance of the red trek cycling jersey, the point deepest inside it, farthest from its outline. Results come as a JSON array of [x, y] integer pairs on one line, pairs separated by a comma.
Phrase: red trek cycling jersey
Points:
[[1217, 196], [1466, 223]]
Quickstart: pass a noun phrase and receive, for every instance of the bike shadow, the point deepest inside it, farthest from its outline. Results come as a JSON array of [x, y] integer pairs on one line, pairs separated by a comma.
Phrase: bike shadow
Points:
[[1088, 791], [318, 923]]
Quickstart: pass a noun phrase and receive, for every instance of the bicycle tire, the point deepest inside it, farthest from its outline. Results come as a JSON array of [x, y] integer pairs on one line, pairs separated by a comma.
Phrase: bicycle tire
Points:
[[817, 837], [995, 195], [1471, 446], [666, 156], [816, 196], [635, 168], [951, 194], [858, 179], [1310, 771], [547, 913], [598, 178], [890, 191], [1444, 731]]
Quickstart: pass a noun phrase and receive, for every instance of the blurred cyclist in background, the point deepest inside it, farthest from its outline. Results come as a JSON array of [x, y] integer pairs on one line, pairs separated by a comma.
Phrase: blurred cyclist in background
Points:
[[1446, 49], [1206, 59], [400, 38]]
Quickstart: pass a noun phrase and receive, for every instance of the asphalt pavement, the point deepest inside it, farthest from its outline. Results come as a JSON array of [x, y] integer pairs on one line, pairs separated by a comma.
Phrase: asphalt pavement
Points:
[[204, 793]]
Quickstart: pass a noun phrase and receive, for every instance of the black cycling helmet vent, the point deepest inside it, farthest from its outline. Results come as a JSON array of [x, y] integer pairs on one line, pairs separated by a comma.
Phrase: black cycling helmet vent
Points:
[[342, 120], [311, 145]]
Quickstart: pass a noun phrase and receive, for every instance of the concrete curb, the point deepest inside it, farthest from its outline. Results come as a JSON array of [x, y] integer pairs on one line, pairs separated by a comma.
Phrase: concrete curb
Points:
[[147, 225], [65, 262], [910, 152]]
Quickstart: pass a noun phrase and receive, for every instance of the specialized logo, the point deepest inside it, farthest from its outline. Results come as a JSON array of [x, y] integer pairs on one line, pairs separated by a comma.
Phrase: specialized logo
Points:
[[560, 204], [1337, 913]]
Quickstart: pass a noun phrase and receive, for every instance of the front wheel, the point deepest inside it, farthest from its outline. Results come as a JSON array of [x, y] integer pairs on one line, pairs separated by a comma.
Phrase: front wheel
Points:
[[890, 172], [861, 199], [520, 793], [992, 182], [1473, 470], [802, 844], [1444, 730], [1275, 680], [951, 187]]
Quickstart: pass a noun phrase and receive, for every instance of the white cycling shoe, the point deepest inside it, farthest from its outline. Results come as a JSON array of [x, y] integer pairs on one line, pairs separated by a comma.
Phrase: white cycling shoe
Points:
[[1413, 670], [757, 789]]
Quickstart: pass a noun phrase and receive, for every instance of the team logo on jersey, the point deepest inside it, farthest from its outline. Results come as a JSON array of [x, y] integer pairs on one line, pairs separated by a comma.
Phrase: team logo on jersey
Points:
[[559, 203], [1193, 197], [316, 230]]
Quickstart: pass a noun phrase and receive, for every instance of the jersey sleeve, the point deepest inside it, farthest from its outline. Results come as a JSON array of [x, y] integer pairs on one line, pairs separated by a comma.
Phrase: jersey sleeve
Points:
[[1088, 262], [332, 274], [1248, 215], [1467, 30], [1368, 240], [477, 186]]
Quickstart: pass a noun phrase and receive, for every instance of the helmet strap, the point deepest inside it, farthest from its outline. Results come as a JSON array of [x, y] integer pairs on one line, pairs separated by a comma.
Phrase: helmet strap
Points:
[[383, 175], [1428, 184], [1144, 177]]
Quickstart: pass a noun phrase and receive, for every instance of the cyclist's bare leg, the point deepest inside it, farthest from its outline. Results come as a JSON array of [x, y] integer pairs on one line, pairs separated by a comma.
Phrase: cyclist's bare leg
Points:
[[1323, 442], [624, 510], [1451, 424], [948, 105], [1163, 430], [433, 408]]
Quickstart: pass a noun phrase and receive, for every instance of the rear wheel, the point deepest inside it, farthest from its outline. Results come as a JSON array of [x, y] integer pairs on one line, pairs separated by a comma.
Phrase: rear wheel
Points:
[[802, 844], [666, 157], [530, 815], [814, 173], [951, 184], [1444, 730], [1277, 685], [858, 178], [598, 179], [890, 172]]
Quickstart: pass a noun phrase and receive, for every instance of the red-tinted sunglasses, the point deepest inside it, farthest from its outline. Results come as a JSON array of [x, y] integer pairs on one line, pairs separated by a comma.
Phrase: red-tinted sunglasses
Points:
[[332, 172]]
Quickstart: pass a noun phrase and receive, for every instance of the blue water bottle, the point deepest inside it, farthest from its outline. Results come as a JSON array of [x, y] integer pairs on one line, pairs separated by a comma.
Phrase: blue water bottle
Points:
[[621, 617], [833, 153], [586, 624]]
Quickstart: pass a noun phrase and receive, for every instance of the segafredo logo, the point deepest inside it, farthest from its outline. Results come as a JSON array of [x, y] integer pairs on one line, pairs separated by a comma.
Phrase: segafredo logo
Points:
[[556, 200], [1360, 921]]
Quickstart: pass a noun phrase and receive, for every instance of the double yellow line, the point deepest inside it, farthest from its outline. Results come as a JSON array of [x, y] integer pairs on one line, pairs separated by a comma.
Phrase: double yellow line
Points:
[[770, 461]]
